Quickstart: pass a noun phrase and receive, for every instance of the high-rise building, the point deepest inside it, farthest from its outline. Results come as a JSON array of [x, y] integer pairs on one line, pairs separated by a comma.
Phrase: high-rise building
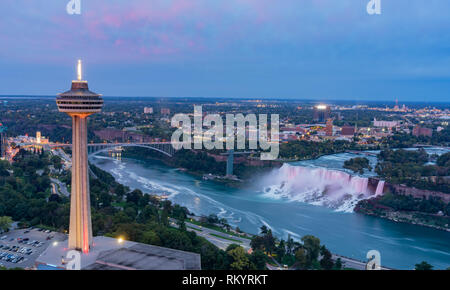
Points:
[[165, 111], [38, 137], [148, 110], [2, 141], [79, 103], [329, 127], [322, 113]]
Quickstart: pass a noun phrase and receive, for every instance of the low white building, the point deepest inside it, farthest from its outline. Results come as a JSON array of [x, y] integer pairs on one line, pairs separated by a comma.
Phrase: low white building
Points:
[[385, 124]]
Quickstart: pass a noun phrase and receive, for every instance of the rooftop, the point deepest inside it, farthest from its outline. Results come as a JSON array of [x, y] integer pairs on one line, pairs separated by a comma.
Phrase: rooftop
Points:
[[79, 89], [112, 254]]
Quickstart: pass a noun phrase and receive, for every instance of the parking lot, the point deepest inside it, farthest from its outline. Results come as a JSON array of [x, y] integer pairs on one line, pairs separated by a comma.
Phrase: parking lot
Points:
[[20, 248]]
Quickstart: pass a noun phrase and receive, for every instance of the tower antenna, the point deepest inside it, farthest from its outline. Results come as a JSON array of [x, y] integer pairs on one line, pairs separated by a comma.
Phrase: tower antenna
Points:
[[79, 70]]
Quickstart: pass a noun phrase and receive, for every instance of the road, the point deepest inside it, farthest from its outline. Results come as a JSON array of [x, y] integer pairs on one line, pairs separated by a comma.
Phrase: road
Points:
[[59, 187], [66, 158], [208, 234], [245, 243], [354, 264]]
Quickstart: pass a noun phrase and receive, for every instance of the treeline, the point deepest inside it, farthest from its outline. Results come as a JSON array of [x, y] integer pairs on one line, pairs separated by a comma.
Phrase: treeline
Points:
[[302, 149], [398, 202], [306, 254], [411, 168], [25, 188], [198, 161], [403, 140], [423, 211]]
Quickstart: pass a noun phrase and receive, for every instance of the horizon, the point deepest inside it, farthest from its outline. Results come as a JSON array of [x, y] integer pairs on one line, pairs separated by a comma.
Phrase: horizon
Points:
[[320, 50], [266, 99]]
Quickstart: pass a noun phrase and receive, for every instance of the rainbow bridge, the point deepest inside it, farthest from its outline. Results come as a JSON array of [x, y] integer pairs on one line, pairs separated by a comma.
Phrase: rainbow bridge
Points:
[[165, 148]]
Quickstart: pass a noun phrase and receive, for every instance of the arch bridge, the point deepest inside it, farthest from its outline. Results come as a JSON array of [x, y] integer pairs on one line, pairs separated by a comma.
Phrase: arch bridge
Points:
[[165, 148]]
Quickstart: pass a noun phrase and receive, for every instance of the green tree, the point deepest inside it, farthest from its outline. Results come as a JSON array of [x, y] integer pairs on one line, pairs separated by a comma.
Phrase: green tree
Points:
[[257, 243], [312, 246], [269, 242], [57, 162], [290, 244], [134, 196], [4, 166], [264, 230], [164, 219], [326, 262], [150, 237], [120, 190], [239, 259], [338, 264], [444, 160], [424, 266], [5, 223], [181, 224], [280, 250], [301, 258], [258, 258]]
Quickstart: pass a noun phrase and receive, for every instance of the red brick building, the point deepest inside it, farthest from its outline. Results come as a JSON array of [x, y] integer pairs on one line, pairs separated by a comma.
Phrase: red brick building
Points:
[[422, 131], [348, 131]]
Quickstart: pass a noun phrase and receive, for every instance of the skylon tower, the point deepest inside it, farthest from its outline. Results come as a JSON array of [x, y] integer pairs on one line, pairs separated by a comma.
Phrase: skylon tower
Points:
[[79, 103]]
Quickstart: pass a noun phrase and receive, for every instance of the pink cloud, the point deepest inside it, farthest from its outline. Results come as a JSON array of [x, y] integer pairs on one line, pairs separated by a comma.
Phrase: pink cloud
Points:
[[154, 28]]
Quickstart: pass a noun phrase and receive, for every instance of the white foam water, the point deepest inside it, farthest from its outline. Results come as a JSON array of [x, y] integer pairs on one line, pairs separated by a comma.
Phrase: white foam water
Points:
[[319, 186]]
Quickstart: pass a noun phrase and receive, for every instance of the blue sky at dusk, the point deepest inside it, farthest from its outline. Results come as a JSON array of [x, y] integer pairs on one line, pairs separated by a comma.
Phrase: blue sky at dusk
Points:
[[313, 49]]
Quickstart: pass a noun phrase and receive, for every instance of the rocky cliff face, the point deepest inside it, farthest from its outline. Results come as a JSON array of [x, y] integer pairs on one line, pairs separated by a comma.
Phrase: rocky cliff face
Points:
[[412, 191], [417, 193]]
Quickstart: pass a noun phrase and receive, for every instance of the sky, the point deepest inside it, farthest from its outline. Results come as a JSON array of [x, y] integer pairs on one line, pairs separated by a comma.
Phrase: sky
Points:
[[299, 49]]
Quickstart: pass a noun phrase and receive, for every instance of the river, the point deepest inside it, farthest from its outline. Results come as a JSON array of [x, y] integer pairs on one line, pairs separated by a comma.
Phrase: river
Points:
[[342, 231]]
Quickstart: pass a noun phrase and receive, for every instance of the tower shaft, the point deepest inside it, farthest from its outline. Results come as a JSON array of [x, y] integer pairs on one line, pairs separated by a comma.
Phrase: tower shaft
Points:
[[79, 103], [80, 230]]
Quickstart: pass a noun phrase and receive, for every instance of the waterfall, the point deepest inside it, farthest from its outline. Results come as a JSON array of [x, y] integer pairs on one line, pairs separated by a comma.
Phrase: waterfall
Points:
[[318, 186], [380, 188]]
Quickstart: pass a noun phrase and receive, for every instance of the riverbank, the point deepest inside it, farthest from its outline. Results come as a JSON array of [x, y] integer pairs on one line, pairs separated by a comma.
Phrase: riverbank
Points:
[[373, 207], [403, 217]]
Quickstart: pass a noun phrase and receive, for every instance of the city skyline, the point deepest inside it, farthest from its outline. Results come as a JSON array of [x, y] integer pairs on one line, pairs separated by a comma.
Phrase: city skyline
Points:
[[244, 49]]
